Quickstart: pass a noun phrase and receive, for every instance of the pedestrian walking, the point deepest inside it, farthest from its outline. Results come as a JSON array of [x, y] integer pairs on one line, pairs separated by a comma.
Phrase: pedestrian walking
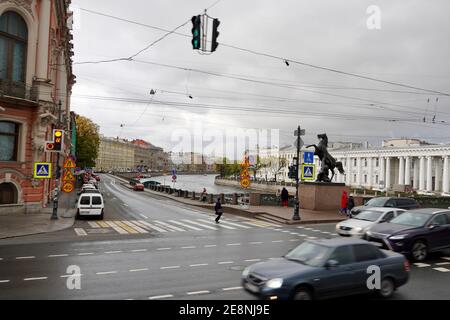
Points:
[[203, 195], [279, 196], [344, 200], [218, 210], [284, 197], [350, 205]]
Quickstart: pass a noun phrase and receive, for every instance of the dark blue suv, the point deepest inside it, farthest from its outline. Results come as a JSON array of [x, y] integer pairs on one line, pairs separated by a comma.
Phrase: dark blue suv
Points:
[[414, 233]]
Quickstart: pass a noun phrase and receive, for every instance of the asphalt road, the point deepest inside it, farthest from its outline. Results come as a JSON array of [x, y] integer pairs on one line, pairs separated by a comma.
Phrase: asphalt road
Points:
[[151, 248]]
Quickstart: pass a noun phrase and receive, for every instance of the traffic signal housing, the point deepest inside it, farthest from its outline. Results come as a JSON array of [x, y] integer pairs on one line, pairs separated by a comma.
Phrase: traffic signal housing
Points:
[[215, 34], [293, 172], [196, 32]]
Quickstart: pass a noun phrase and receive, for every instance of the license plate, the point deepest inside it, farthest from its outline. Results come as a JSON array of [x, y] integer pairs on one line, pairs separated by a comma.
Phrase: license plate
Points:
[[251, 287]]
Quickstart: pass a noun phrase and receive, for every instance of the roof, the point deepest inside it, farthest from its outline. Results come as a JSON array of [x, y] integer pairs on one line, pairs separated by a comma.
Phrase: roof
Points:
[[430, 210], [381, 209], [335, 242]]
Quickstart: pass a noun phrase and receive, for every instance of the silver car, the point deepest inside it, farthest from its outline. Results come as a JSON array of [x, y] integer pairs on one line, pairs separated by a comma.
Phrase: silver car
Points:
[[360, 223]]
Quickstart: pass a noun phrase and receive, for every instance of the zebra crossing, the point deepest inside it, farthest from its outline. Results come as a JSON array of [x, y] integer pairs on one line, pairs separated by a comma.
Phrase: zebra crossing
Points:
[[168, 226]]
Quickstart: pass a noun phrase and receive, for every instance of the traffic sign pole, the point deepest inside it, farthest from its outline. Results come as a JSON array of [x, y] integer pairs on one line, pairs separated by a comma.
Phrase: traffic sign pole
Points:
[[58, 174], [299, 141]]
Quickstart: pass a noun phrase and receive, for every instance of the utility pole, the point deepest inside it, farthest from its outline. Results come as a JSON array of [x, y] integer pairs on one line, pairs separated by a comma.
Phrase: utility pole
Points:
[[299, 142], [58, 173]]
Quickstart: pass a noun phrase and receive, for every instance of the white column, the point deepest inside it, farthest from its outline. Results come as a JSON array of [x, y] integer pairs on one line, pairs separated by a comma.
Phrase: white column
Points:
[[401, 170], [429, 174], [437, 174], [416, 173], [407, 171], [370, 172], [43, 40], [359, 172], [388, 173], [422, 174], [348, 173], [445, 184], [382, 175]]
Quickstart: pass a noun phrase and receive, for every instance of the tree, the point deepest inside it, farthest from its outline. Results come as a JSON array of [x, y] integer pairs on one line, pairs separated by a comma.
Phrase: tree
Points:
[[274, 165], [88, 142]]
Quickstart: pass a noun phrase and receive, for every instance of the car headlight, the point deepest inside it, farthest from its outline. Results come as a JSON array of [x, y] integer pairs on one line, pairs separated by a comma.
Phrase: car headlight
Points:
[[399, 237], [274, 283], [246, 272]]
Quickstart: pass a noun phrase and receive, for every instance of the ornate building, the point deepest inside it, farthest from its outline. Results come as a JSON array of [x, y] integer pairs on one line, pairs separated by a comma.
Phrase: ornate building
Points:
[[36, 80]]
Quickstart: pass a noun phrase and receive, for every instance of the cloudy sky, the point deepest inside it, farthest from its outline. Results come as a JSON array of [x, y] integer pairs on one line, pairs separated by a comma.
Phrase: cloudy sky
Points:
[[411, 47]]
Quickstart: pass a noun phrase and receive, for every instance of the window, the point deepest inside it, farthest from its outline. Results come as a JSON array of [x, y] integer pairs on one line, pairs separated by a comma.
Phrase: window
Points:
[[440, 220], [376, 179], [85, 200], [377, 162], [9, 133], [96, 200], [365, 178], [354, 162], [389, 216], [365, 162], [13, 47], [354, 178], [366, 252], [8, 193], [343, 255]]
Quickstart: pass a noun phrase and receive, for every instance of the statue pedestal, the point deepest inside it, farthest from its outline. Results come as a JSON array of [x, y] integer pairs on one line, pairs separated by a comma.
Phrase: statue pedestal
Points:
[[321, 195]]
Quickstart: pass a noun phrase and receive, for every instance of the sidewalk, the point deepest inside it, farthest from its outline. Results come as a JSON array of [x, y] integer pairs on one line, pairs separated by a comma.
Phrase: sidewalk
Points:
[[269, 213], [28, 224]]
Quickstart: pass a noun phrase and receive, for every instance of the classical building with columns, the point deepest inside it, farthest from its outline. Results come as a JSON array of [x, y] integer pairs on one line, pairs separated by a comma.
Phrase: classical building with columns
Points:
[[36, 81], [398, 165]]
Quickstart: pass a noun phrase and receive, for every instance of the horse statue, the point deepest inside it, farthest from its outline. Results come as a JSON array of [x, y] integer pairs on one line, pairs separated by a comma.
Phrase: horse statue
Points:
[[327, 161]]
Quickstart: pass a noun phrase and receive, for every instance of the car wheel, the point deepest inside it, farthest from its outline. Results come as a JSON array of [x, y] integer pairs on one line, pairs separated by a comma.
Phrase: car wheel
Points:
[[303, 293], [419, 250], [387, 288]]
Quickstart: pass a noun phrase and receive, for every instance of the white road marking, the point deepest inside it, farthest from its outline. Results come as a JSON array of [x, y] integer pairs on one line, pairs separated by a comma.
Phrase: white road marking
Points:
[[105, 272], [315, 230], [442, 269], [93, 224], [421, 265], [225, 262], [234, 224], [170, 267], [153, 226], [294, 233], [125, 205], [58, 255], [442, 263], [4, 281], [27, 257], [284, 231], [37, 278], [143, 216], [80, 232], [231, 288], [233, 244], [210, 245], [159, 249], [188, 247], [161, 297], [312, 238], [85, 253], [199, 224], [134, 226], [137, 270], [197, 292], [198, 265], [110, 223], [326, 232], [446, 258], [277, 240], [219, 225], [120, 230], [334, 234], [71, 275], [185, 225], [109, 252], [294, 240], [301, 227], [256, 242], [139, 250], [1, 259], [302, 235], [169, 226], [252, 260], [308, 228]]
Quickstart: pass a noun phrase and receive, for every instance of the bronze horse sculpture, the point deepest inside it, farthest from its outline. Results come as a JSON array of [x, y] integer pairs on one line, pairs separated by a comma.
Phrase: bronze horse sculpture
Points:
[[327, 161]]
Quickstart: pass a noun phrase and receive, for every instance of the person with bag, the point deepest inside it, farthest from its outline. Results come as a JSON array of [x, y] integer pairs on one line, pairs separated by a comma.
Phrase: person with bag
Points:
[[344, 200], [284, 197], [218, 209], [350, 206]]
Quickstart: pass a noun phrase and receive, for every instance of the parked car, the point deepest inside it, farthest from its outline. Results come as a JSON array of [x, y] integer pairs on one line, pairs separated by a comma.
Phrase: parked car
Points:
[[147, 184], [360, 223], [391, 202], [414, 233], [138, 187], [91, 204], [325, 268]]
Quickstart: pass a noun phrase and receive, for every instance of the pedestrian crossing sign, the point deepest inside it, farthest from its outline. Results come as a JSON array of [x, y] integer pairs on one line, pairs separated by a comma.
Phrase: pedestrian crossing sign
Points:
[[308, 172], [42, 170]]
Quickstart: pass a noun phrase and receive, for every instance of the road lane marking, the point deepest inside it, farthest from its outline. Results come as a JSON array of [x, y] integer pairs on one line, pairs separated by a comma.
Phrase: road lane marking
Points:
[[36, 278], [303, 235], [85, 253], [185, 225], [110, 252], [111, 224], [197, 292], [234, 224], [188, 247], [198, 265], [312, 238], [294, 240], [442, 269], [264, 224], [294, 233], [225, 262], [151, 226], [334, 234], [57, 255], [126, 227], [252, 260], [421, 265], [442, 263], [169, 226], [256, 242], [161, 297], [233, 244], [125, 205], [284, 231], [135, 227], [143, 216], [219, 225], [27, 257], [446, 258], [199, 224], [159, 249], [210, 245], [1, 259], [80, 232], [92, 224], [138, 250], [138, 270], [308, 228], [71, 275], [326, 232], [301, 227], [119, 230], [103, 224], [169, 267], [105, 272], [4, 281], [231, 288], [277, 240]]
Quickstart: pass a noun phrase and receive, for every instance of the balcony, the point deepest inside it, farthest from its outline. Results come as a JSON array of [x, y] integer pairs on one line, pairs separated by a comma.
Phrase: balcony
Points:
[[18, 90]]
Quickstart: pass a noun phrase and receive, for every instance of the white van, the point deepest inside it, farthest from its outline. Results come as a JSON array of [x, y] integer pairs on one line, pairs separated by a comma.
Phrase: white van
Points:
[[90, 204]]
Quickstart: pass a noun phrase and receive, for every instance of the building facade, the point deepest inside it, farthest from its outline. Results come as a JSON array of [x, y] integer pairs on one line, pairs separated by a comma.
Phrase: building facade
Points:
[[36, 80]]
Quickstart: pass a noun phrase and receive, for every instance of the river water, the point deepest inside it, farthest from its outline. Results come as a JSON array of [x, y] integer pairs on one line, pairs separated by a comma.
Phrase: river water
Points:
[[195, 183]]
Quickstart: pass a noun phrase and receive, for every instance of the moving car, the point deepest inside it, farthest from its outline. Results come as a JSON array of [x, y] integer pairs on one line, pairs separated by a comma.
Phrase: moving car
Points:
[[326, 268], [414, 233], [138, 187], [86, 186], [391, 202], [360, 223], [90, 204]]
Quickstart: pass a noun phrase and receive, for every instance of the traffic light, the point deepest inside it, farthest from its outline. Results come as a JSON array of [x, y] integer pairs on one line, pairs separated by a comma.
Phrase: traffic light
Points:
[[196, 32], [293, 172], [215, 34]]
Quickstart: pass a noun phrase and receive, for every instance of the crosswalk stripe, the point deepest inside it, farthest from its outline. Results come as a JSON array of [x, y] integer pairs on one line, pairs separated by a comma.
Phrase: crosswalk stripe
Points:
[[442, 269], [111, 224], [124, 226], [135, 227], [199, 224], [235, 224], [169, 226], [103, 224], [185, 225], [140, 224], [219, 225], [80, 232], [92, 224], [119, 230], [266, 223], [151, 226]]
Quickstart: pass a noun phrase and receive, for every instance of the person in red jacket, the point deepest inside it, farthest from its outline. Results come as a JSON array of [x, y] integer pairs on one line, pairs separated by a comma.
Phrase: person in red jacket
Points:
[[344, 200]]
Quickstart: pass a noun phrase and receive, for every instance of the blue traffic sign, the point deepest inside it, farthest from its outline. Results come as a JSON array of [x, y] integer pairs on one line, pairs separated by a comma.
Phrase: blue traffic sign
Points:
[[308, 157], [308, 171], [42, 170]]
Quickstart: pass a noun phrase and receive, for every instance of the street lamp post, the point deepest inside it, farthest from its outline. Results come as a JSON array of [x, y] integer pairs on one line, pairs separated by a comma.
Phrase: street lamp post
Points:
[[299, 143], [58, 173]]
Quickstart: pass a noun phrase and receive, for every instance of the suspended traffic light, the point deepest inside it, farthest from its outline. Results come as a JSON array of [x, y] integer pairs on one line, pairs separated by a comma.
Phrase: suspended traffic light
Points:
[[196, 32], [215, 34]]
